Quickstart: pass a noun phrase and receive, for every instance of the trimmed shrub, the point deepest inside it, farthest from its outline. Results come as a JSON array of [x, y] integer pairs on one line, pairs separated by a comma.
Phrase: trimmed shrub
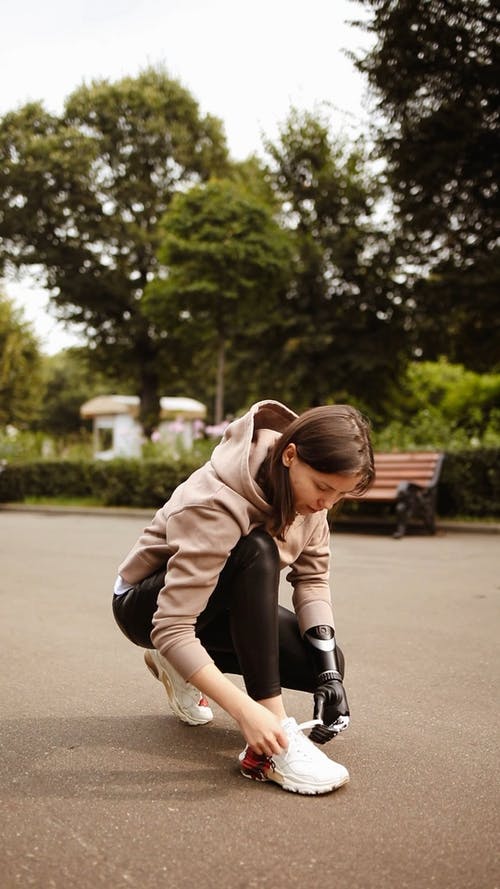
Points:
[[46, 478], [159, 479], [12, 488], [469, 485], [147, 483], [143, 483]]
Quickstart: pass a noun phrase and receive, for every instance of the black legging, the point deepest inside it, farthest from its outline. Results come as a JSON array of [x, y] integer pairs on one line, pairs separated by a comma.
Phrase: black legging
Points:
[[243, 627]]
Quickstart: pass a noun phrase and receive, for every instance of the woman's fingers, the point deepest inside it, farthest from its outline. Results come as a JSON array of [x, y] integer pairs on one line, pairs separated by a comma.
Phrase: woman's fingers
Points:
[[268, 738]]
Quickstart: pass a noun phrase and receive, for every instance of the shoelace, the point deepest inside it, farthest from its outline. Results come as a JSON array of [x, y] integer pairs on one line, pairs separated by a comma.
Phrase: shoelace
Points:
[[301, 726], [296, 744]]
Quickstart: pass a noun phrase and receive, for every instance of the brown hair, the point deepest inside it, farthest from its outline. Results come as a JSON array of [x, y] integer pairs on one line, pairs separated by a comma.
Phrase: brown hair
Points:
[[334, 439]]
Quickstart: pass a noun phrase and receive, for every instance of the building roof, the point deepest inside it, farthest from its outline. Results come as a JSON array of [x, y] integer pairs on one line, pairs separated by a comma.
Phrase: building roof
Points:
[[171, 407]]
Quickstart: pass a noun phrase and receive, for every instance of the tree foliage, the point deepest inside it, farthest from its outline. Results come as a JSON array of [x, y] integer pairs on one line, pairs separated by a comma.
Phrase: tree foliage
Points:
[[343, 314], [20, 385], [434, 70], [225, 260], [443, 405], [81, 195], [68, 379]]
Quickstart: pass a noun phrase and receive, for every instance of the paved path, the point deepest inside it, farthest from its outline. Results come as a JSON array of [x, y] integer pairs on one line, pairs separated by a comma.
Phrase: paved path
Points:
[[101, 787]]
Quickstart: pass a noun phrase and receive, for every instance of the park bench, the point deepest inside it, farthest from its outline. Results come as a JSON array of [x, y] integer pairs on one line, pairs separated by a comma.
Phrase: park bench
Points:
[[409, 480]]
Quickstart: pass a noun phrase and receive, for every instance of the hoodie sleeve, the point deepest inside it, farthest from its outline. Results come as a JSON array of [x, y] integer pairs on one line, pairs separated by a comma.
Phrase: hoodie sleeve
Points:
[[200, 539], [310, 579]]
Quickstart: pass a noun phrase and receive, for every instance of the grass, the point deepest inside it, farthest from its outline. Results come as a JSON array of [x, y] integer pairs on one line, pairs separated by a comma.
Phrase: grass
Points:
[[63, 501]]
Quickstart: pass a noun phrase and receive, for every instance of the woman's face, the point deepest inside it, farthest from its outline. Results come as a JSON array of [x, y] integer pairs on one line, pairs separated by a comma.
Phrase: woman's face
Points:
[[313, 491]]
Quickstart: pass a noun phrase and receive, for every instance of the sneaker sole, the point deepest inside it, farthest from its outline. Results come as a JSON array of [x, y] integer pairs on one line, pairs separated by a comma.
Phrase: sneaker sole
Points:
[[163, 677], [305, 789]]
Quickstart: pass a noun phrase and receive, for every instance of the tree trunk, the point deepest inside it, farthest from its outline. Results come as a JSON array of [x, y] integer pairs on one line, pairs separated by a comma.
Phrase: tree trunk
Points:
[[219, 383], [148, 386], [150, 403], [149, 381]]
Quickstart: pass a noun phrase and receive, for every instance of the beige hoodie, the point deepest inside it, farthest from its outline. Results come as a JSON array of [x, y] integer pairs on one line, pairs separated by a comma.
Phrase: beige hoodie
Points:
[[202, 522]]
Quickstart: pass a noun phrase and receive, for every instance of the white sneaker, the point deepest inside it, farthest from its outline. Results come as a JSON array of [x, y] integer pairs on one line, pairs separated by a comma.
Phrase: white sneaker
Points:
[[301, 768], [185, 700]]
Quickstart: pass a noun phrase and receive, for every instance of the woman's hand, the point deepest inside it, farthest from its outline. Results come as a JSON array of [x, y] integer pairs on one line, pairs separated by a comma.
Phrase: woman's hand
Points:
[[261, 729], [331, 707]]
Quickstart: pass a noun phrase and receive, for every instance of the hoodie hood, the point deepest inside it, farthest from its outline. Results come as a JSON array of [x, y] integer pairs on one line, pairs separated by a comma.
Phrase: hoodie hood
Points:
[[244, 446]]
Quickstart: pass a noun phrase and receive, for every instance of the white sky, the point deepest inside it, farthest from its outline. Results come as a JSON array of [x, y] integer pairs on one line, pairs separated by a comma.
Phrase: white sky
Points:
[[247, 64]]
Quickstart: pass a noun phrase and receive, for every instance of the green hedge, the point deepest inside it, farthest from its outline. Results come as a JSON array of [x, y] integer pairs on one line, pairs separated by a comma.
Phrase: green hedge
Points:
[[469, 485], [144, 483]]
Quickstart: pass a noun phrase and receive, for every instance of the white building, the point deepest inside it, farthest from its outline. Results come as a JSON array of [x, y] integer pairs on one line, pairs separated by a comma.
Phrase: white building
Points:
[[117, 432]]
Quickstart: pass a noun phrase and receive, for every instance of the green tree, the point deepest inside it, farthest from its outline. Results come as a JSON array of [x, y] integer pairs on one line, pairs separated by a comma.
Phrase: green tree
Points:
[[467, 399], [68, 380], [226, 261], [443, 405], [80, 198], [344, 313], [434, 71], [20, 384]]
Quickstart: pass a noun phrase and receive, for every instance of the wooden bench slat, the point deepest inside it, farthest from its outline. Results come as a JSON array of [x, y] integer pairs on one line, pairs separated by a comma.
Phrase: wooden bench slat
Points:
[[407, 455], [402, 468], [418, 477], [388, 472], [376, 494], [405, 458]]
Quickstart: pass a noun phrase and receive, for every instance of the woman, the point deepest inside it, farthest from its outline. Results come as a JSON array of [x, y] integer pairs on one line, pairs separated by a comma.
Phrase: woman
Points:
[[199, 590]]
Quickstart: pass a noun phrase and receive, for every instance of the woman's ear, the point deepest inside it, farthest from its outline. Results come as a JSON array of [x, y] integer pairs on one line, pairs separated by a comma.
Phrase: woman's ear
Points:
[[289, 454]]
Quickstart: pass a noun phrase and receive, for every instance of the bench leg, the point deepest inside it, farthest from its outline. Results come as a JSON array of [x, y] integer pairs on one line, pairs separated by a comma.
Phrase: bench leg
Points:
[[403, 513], [412, 500], [427, 506], [406, 504]]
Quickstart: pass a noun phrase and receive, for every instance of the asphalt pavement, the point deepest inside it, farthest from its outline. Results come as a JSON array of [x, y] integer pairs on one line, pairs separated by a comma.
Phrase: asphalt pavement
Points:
[[102, 787]]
